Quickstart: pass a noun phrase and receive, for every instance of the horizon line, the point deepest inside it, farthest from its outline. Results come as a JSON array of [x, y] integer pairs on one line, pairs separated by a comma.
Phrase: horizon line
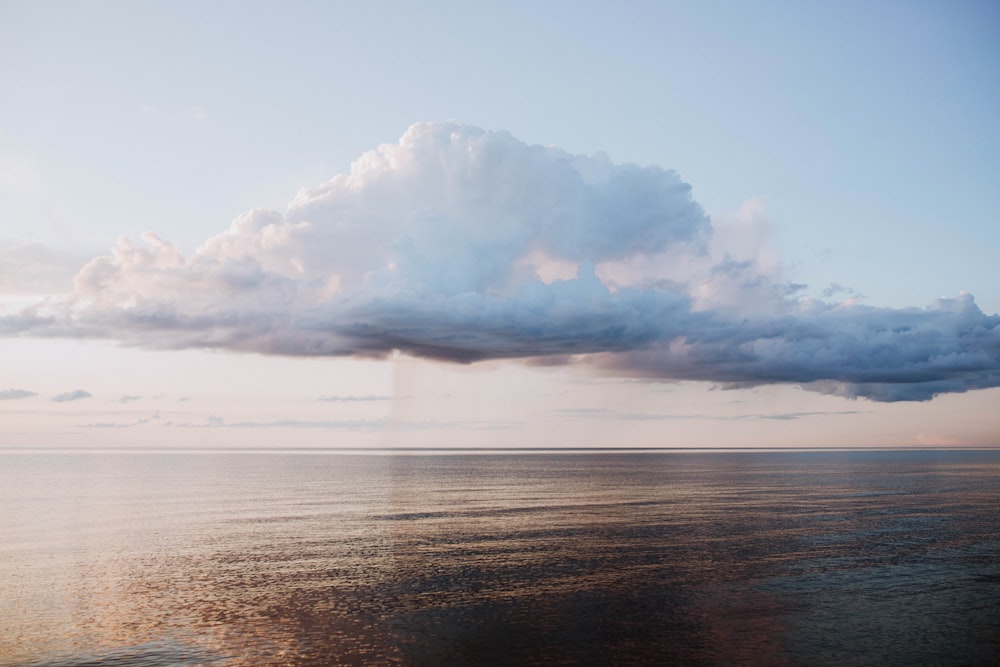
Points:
[[411, 450]]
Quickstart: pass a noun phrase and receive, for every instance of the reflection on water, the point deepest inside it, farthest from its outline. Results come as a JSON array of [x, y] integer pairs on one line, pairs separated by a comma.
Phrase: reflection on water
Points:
[[670, 558]]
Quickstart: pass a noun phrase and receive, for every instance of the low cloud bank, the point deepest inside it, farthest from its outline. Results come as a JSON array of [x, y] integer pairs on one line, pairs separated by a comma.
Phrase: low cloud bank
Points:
[[460, 244]]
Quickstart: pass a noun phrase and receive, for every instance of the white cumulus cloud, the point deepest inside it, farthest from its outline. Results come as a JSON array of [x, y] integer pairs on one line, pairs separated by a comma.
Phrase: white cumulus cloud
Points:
[[461, 244]]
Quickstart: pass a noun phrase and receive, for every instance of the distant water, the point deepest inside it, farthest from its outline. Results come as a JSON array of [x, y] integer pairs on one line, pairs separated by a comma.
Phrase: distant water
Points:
[[752, 558]]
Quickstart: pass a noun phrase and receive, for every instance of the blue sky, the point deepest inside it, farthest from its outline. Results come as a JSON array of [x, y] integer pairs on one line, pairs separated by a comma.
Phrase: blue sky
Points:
[[846, 149]]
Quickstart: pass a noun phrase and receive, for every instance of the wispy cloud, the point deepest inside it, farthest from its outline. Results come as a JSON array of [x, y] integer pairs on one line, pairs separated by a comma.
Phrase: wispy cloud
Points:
[[460, 244], [219, 422], [668, 416], [382, 424], [836, 289], [71, 396], [138, 422], [36, 269], [16, 394], [790, 416], [583, 411], [355, 399]]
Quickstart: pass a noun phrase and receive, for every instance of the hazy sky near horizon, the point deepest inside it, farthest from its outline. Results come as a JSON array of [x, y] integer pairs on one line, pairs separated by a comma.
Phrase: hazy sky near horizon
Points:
[[499, 224]]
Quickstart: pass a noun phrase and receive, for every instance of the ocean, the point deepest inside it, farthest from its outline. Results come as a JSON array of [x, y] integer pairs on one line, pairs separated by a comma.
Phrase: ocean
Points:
[[499, 558]]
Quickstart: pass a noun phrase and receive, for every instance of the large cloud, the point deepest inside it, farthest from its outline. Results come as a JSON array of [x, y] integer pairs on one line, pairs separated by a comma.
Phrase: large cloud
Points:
[[462, 245]]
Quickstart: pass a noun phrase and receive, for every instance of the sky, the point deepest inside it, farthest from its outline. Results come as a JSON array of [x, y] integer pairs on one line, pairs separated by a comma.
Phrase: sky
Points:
[[518, 224]]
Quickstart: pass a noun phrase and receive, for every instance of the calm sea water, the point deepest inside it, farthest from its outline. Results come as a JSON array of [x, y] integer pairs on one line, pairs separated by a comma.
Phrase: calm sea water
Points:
[[820, 558]]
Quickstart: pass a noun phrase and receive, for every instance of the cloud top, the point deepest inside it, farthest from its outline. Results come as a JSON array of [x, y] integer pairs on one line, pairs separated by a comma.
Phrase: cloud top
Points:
[[461, 244]]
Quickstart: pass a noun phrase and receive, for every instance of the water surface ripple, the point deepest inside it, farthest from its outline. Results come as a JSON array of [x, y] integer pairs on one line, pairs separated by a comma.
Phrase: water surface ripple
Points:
[[785, 558]]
